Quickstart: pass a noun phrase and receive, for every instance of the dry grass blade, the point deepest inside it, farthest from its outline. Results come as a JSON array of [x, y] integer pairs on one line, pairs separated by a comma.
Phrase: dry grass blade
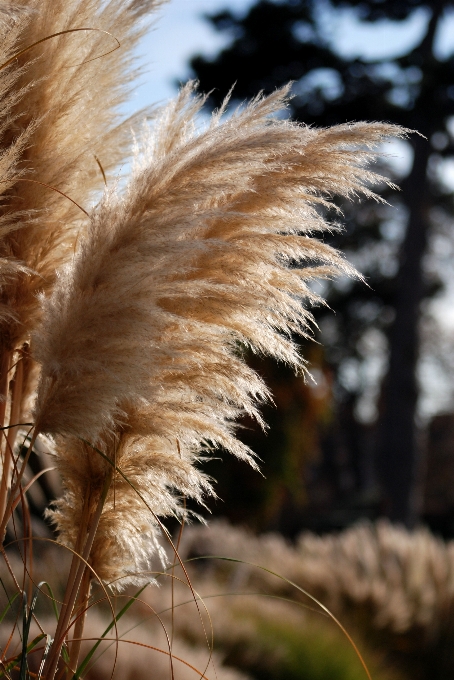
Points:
[[56, 35]]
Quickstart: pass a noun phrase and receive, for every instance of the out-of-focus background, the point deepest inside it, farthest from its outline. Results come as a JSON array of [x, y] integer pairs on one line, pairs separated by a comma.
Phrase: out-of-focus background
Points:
[[374, 435]]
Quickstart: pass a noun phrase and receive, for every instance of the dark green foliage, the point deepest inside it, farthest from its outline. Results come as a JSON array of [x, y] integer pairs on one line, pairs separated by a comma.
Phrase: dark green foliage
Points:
[[313, 650]]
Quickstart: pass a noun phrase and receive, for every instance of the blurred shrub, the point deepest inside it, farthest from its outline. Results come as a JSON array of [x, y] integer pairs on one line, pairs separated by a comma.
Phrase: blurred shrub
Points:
[[263, 636], [279, 648], [392, 587]]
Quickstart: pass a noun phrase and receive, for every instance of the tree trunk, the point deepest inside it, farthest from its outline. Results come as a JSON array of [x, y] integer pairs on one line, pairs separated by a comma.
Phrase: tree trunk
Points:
[[397, 452]]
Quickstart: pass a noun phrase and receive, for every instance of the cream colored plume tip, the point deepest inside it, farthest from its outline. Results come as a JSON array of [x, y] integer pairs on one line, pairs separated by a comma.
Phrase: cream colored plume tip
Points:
[[210, 245], [210, 249]]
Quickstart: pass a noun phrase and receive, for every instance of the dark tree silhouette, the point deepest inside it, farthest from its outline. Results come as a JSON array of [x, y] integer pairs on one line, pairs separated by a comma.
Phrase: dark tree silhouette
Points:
[[283, 40]]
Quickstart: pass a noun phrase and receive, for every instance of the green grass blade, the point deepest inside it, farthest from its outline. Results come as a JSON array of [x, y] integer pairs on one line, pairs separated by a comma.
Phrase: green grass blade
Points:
[[64, 651], [8, 607], [14, 662], [34, 642], [23, 661], [27, 619], [123, 611], [6, 593], [65, 655], [23, 655], [54, 603]]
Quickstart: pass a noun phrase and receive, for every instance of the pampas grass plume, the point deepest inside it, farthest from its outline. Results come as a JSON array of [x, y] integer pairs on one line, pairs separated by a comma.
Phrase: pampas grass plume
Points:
[[60, 131], [47, 138], [209, 250]]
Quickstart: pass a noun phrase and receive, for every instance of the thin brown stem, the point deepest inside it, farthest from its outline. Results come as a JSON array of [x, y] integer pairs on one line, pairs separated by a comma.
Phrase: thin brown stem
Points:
[[81, 613], [4, 482], [16, 400], [16, 487], [74, 566], [4, 369], [50, 667], [180, 534]]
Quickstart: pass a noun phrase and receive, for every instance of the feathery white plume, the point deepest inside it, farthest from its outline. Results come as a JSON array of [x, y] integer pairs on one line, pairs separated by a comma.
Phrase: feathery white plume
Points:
[[209, 250]]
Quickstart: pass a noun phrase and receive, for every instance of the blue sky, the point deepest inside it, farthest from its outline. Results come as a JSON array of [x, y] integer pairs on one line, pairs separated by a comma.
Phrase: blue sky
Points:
[[180, 32]]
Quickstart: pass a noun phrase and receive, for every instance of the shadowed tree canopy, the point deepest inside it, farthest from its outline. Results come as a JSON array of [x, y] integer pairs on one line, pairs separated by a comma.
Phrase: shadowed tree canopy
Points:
[[278, 41]]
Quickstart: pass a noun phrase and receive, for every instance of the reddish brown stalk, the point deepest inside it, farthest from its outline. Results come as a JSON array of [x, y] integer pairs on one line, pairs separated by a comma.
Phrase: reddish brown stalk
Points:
[[15, 488], [180, 534], [16, 399], [74, 563], [78, 566], [81, 613], [4, 368]]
